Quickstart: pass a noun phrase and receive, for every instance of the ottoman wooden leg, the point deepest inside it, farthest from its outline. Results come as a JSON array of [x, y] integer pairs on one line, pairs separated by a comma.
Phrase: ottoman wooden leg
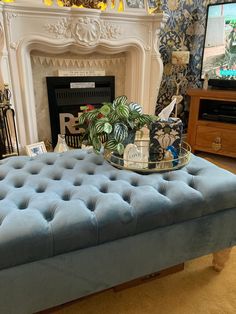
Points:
[[220, 258]]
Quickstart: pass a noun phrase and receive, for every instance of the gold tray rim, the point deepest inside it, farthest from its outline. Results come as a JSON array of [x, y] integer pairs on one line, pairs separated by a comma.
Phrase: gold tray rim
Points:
[[185, 156]]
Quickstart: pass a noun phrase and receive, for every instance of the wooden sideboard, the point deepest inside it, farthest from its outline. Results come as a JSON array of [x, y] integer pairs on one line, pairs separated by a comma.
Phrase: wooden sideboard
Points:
[[211, 125]]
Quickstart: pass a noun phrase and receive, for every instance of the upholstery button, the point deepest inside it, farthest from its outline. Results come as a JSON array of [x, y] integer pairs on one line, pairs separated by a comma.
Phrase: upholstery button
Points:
[[104, 189], [162, 190], [66, 197], [49, 215], [23, 205], [166, 177], [113, 177], [79, 157], [134, 182], [33, 172], [192, 172], [126, 197], [91, 205], [17, 166], [57, 177], [90, 172], [69, 166], [2, 196], [49, 162], [40, 189], [18, 185], [78, 182], [192, 185], [99, 163]]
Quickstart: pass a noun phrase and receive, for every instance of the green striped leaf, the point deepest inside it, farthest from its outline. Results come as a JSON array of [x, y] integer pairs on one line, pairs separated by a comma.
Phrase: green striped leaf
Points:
[[107, 128], [99, 126], [91, 115], [120, 132], [135, 107], [82, 108], [105, 110], [81, 119], [102, 125], [123, 111], [92, 131], [120, 100], [103, 138], [120, 148], [96, 144], [111, 144], [145, 119], [113, 117]]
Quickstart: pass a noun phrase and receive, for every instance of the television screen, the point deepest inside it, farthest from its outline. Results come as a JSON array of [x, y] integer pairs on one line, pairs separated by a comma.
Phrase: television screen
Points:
[[219, 53]]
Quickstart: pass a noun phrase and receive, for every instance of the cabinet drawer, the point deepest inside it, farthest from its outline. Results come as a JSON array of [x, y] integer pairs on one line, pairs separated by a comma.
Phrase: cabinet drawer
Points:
[[216, 140]]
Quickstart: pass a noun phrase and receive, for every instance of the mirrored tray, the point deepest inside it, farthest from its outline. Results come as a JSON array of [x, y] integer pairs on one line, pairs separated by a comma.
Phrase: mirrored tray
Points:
[[144, 165]]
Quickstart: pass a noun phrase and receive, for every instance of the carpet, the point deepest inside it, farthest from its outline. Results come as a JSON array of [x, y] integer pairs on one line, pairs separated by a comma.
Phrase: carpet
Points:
[[196, 290]]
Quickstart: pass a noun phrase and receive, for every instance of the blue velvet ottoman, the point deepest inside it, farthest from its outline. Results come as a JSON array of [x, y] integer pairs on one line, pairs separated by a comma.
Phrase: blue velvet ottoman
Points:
[[71, 224]]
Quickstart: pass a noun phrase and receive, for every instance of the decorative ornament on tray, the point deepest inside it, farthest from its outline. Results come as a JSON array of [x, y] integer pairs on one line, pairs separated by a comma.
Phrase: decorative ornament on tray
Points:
[[134, 157]]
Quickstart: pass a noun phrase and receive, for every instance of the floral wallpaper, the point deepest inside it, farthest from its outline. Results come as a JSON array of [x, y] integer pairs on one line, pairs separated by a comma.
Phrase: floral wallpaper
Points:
[[184, 29]]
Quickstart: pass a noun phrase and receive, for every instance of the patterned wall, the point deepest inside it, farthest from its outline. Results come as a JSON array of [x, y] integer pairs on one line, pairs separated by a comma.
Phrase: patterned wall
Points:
[[185, 27]]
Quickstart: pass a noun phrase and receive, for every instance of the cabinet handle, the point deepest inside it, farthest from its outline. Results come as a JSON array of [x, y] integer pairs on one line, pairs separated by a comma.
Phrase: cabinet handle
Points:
[[216, 145]]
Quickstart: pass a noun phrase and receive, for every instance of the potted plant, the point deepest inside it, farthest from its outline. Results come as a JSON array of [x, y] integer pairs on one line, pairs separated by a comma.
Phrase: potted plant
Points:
[[111, 125]]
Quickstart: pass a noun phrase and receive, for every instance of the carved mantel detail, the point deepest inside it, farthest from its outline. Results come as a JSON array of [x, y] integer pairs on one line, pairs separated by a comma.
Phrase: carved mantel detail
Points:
[[40, 41], [79, 63], [85, 30]]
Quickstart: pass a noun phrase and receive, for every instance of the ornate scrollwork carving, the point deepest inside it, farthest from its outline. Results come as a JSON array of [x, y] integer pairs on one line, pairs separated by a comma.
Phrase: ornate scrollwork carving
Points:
[[60, 29], [9, 16], [84, 30], [110, 31], [87, 30]]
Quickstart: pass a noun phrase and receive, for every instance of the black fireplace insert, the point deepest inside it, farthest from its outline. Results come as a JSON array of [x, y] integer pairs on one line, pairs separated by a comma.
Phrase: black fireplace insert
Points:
[[67, 94]]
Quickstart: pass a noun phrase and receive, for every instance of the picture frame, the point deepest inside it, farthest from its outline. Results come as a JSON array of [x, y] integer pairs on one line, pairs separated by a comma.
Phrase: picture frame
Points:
[[135, 5], [35, 149]]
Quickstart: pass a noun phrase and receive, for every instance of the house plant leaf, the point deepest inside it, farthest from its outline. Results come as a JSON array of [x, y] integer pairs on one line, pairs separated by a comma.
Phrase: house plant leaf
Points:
[[107, 128], [111, 144], [113, 125], [105, 110], [123, 111], [120, 132], [120, 100], [135, 107]]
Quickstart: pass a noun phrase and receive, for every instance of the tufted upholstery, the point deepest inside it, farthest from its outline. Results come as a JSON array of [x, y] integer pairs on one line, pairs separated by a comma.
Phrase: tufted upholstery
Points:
[[56, 203]]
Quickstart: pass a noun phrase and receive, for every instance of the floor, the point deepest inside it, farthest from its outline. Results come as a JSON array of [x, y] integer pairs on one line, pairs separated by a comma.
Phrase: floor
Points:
[[227, 163]]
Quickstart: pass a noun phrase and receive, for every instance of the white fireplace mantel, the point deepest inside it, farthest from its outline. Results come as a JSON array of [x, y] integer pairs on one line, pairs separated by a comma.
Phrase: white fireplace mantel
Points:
[[27, 27]]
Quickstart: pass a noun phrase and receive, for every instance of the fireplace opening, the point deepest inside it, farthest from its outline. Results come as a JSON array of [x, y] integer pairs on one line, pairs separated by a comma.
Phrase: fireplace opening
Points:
[[66, 95]]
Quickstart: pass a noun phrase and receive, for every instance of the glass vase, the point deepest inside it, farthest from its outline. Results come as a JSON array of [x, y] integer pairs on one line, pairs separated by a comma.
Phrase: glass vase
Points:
[[61, 146]]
